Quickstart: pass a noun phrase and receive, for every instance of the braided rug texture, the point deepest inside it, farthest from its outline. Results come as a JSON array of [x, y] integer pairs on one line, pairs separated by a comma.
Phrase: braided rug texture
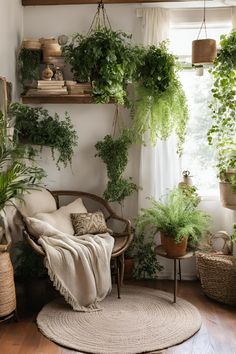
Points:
[[143, 320]]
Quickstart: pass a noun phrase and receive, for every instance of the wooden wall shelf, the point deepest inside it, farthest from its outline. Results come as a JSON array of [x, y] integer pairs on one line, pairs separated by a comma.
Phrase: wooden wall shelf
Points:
[[57, 99], [80, 2]]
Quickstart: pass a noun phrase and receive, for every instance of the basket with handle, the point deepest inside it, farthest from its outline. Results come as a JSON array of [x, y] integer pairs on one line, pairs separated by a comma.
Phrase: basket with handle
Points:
[[218, 276]]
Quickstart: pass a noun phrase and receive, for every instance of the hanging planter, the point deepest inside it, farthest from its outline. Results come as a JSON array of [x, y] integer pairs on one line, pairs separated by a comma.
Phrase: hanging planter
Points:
[[160, 105], [203, 50], [103, 58]]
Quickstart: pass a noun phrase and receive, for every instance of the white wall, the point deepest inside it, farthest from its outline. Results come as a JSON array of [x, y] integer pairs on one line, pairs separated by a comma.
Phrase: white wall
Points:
[[92, 122], [11, 31]]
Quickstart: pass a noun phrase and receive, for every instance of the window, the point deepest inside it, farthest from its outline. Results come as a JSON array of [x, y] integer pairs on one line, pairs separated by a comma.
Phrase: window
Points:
[[198, 157]]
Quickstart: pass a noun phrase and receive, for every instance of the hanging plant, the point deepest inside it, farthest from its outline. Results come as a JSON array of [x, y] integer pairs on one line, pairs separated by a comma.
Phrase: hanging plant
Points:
[[114, 153], [29, 64], [160, 105], [36, 126], [222, 134], [105, 59]]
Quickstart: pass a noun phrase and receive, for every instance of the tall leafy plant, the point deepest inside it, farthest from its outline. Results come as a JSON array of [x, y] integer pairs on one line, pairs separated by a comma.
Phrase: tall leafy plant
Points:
[[160, 105], [114, 153], [16, 173], [222, 134], [37, 126], [105, 59]]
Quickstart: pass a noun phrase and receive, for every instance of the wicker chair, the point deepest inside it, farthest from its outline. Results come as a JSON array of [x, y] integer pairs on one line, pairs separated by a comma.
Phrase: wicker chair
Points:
[[218, 276], [121, 228]]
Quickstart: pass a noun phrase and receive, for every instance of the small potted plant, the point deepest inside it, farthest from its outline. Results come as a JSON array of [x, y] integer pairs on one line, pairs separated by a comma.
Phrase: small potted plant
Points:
[[227, 175], [178, 220]]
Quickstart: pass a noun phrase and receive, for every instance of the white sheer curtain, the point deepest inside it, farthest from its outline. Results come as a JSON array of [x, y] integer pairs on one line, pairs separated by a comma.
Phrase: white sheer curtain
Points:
[[159, 165], [234, 16]]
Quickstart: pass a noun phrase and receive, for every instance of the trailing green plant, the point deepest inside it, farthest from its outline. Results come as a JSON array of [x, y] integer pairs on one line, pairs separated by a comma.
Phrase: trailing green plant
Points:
[[114, 153], [177, 218], [37, 126], [142, 250], [222, 134], [160, 105], [29, 65], [233, 236], [28, 264], [105, 59]]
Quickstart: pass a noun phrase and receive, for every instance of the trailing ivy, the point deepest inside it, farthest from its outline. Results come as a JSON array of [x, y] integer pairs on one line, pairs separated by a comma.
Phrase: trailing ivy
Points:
[[114, 153], [160, 104], [222, 134], [105, 59], [36, 126], [29, 64]]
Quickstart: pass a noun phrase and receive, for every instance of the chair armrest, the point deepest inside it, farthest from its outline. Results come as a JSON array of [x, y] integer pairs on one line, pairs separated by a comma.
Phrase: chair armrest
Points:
[[38, 249], [126, 233]]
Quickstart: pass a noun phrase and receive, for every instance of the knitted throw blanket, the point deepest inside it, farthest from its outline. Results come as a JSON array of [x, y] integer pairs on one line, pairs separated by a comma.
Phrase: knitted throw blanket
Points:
[[79, 267]]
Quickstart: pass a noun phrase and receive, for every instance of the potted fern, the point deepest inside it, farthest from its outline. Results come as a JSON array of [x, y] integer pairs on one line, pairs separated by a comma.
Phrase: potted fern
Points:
[[178, 220]]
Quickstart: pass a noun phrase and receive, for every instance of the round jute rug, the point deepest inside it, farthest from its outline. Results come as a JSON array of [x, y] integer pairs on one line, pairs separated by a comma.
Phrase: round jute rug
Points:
[[143, 320]]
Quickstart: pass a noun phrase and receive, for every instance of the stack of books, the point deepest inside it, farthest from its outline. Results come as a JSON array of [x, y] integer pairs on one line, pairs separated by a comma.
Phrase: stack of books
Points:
[[80, 89], [47, 88]]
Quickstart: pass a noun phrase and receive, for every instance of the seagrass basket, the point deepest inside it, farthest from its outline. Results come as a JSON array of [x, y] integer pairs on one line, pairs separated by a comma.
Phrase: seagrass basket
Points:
[[218, 276], [7, 285]]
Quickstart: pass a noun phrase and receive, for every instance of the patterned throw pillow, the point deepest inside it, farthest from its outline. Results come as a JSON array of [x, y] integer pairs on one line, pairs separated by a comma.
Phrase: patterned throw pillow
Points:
[[89, 223]]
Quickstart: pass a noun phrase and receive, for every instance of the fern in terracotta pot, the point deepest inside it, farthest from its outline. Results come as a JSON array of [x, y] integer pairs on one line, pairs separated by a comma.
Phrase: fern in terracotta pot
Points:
[[178, 220]]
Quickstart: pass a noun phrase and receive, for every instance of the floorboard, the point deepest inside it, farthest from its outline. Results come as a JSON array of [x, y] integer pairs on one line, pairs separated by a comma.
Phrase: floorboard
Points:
[[216, 336]]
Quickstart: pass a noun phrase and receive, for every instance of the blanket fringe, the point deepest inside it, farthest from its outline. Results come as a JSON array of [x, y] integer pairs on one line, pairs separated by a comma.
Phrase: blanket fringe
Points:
[[67, 296]]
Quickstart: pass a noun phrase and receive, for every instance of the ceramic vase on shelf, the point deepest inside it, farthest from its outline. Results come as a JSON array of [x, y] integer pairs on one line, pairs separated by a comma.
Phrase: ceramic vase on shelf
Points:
[[47, 73]]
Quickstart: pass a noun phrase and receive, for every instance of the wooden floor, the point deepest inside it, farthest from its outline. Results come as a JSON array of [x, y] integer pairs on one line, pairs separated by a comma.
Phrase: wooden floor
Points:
[[216, 336]]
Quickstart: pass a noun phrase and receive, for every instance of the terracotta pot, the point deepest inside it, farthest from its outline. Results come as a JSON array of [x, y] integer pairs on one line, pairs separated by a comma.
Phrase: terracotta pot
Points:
[[129, 267], [227, 195], [172, 248]]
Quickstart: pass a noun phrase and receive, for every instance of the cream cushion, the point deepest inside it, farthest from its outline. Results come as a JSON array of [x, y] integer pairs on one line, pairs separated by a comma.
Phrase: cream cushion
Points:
[[39, 228], [60, 219], [37, 201]]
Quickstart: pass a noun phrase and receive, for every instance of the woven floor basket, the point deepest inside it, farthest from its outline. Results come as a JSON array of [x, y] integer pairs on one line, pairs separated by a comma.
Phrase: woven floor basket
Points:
[[7, 286], [218, 276]]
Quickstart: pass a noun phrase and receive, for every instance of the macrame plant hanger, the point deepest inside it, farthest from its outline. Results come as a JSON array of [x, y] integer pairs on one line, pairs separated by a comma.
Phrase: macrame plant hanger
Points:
[[100, 19]]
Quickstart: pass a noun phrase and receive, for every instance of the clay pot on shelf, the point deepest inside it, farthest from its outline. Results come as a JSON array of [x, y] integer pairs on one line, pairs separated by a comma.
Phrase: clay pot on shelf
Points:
[[47, 74], [51, 50], [32, 44]]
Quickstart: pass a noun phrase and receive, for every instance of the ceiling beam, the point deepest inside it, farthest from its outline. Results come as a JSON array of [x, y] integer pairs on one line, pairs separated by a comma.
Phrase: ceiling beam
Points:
[[80, 2]]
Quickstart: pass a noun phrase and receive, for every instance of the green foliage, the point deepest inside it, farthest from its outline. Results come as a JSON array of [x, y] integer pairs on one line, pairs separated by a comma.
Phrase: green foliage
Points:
[[177, 217], [114, 153], [160, 104], [233, 236], [29, 64], [222, 134], [37, 126], [105, 59], [28, 264], [146, 264], [15, 175]]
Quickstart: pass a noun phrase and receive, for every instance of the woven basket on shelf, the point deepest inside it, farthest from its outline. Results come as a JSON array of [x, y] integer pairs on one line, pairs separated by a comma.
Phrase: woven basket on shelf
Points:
[[218, 276], [7, 285]]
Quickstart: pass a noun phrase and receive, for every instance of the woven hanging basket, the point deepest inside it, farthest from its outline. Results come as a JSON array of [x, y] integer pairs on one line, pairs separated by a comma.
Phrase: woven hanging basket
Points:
[[218, 276], [203, 51], [7, 285]]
